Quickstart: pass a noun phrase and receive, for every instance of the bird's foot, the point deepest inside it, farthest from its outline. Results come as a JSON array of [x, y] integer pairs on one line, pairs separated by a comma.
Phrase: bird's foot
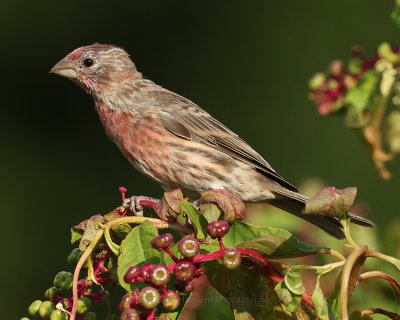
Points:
[[136, 204], [196, 204]]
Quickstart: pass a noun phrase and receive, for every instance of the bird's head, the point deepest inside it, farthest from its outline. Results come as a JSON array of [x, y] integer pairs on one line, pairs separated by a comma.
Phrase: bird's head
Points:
[[97, 68]]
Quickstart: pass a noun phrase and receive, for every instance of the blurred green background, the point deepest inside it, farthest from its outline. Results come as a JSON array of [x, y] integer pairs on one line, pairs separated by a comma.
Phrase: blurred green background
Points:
[[247, 63]]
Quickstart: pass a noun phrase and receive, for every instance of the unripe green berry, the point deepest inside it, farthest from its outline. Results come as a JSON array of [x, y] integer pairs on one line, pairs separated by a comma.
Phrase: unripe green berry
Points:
[[149, 297], [189, 247], [74, 256], [170, 300], [63, 280], [90, 316], [84, 305], [58, 315], [34, 307], [46, 308], [231, 258], [316, 81], [130, 314], [25, 318], [159, 275], [51, 292]]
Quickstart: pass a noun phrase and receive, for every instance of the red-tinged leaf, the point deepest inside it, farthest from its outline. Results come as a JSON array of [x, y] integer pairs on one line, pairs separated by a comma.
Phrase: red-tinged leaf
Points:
[[331, 202], [170, 204], [232, 206], [89, 228]]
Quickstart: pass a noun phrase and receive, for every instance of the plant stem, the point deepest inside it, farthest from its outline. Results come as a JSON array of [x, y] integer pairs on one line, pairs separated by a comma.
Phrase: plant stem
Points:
[[78, 268], [389, 314], [348, 269]]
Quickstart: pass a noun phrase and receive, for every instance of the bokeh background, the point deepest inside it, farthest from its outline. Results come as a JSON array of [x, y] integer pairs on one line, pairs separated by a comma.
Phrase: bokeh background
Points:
[[246, 62]]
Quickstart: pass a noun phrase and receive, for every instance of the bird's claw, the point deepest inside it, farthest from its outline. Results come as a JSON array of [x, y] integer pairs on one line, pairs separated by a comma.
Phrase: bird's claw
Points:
[[133, 204]]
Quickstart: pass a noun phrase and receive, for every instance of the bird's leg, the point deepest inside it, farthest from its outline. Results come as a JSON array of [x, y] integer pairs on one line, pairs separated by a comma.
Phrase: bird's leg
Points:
[[136, 204]]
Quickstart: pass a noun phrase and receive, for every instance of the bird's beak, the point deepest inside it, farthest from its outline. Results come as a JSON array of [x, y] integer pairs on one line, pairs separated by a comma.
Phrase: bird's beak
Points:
[[65, 69]]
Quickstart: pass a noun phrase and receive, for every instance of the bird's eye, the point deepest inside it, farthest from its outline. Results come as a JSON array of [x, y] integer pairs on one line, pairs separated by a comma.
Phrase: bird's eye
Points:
[[88, 62]]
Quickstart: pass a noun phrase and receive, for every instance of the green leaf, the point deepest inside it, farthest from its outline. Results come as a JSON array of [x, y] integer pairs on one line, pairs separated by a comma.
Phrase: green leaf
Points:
[[199, 222], [320, 305], [244, 288], [361, 95], [267, 241], [76, 235], [294, 281], [331, 202], [210, 211], [136, 249], [232, 206]]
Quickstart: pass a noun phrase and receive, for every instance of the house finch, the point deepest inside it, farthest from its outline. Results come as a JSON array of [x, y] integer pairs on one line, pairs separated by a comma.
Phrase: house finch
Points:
[[173, 141]]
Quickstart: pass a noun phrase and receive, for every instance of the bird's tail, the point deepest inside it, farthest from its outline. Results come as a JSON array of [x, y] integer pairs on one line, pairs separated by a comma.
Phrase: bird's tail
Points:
[[329, 224]]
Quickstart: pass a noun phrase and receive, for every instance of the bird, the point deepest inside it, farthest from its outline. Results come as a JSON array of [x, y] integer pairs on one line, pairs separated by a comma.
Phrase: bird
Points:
[[173, 141]]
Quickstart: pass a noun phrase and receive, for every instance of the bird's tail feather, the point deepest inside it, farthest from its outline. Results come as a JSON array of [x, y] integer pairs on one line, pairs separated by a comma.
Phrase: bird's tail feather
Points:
[[295, 207], [293, 202]]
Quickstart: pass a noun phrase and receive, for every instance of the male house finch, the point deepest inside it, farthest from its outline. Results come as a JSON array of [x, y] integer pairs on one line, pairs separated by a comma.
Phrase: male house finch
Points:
[[173, 141]]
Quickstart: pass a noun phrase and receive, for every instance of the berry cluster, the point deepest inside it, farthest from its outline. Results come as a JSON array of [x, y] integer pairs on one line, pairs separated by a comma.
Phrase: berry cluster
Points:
[[328, 92], [57, 307], [146, 301]]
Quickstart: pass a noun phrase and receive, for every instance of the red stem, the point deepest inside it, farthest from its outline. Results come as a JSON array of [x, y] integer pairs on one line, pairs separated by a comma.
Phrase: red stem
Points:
[[147, 203], [169, 252], [150, 314]]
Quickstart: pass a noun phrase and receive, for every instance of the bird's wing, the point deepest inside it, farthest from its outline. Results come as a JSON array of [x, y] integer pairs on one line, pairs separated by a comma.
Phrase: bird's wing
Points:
[[185, 119]]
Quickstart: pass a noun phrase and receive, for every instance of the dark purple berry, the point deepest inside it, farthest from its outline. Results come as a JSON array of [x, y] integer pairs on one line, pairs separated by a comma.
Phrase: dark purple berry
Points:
[[125, 302], [130, 314], [131, 274], [159, 275], [162, 241], [184, 286], [218, 229], [149, 297], [231, 258], [184, 270], [189, 247], [171, 300]]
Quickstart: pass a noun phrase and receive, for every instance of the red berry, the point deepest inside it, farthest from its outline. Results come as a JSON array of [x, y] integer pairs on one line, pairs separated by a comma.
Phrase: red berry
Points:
[[159, 275], [189, 247], [162, 241], [231, 258], [149, 297], [130, 314], [131, 274], [145, 271], [171, 300], [217, 229], [125, 302], [184, 270]]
